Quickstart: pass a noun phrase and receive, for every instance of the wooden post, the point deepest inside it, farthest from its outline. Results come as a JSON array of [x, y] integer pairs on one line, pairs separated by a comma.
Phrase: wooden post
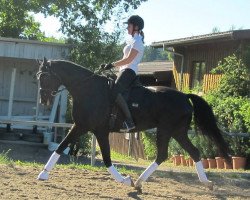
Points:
[[93, 150], [12, 86]]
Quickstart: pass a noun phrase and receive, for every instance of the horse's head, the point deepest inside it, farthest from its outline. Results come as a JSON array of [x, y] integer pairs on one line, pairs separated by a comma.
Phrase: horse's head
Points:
[[49, 81]]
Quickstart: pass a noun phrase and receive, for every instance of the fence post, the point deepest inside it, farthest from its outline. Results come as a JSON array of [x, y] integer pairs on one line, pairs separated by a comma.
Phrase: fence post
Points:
[[93, 150]]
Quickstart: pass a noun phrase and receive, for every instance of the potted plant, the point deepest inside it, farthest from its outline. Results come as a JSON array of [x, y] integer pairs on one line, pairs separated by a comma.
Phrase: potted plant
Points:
[[210, 152], [219, 162], [239, 147], [175, 150]]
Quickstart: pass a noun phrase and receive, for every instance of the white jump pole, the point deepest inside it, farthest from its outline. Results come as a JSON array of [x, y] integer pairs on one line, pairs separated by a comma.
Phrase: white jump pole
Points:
[[93, 150], [37, 100], [12, 86]]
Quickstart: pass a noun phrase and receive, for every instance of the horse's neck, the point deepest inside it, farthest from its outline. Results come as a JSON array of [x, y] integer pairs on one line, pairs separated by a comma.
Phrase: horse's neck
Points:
[[71, 76]]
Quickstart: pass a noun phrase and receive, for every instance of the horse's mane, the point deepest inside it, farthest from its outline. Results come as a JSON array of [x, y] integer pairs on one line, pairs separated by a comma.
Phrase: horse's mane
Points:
[[71, 65]]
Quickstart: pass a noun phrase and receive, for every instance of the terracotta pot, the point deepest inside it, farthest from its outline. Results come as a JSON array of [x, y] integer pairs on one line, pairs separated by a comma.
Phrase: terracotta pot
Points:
[[227, 166], [219, 162], [183, 161], [190, 162], [211, 163], [177, 160], [204, 163], [239, 162]]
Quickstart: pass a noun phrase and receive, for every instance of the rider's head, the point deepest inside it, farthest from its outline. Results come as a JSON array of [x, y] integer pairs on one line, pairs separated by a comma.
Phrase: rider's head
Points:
[[135, 25]]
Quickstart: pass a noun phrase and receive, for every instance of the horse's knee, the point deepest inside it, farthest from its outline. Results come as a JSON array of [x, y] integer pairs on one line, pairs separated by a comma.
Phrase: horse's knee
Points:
[[160, 159], [195, 154]]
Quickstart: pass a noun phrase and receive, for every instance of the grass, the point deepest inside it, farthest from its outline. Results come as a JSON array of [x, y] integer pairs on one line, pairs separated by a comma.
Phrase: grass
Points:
[[5, 160], [233, 174]]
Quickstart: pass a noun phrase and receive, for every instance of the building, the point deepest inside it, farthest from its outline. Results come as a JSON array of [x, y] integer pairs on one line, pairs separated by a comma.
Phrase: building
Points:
[[19, 89], [195, 56], [156, 73]]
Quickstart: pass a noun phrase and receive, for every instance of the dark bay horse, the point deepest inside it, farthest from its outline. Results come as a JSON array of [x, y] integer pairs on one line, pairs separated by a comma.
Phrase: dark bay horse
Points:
[[166, 109]]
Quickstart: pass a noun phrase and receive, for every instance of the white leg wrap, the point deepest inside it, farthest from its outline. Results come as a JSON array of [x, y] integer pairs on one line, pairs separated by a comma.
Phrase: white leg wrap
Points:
[[44, 175], [144, 176], [151, 168], [52, 161], [115, 174], [200, 171]]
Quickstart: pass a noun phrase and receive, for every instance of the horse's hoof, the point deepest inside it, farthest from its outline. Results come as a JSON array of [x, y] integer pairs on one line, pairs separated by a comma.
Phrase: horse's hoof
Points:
[[138, 184], [209, 185], [128, 181], [139, 190], [43, 176]]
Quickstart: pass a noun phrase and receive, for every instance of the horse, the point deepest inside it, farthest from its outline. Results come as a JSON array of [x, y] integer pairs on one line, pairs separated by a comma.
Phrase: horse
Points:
[[166, 109]]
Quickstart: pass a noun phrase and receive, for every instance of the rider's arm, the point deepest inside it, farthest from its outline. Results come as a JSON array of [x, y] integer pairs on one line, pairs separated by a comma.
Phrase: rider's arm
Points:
[[132, 54]]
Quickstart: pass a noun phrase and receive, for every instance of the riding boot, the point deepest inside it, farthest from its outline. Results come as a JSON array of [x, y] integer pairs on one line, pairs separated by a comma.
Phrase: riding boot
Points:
[[128, 124]]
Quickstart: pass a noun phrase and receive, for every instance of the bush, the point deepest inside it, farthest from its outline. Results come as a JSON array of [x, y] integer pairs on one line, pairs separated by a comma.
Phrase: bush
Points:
[[235, 81], [149, 142]]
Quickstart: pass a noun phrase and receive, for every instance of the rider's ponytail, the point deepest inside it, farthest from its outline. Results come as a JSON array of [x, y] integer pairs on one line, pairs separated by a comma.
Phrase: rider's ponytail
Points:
[[142, 34]]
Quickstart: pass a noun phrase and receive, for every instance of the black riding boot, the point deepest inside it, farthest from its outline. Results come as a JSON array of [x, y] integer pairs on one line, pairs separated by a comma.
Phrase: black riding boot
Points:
[[128, 124]]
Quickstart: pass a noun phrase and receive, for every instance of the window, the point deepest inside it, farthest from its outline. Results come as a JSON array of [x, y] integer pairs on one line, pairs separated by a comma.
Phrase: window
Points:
[[199, 69]]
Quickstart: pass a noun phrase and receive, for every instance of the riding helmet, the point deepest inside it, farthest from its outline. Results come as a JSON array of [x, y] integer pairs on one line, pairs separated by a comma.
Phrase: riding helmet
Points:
[[136, 20]]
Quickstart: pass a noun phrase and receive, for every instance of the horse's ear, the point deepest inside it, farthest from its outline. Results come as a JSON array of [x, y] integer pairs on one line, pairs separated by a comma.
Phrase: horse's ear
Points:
[[44, 60]]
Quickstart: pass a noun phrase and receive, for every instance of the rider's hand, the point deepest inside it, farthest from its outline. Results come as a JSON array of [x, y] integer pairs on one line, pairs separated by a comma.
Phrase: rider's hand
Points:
[[108, 66], [102, 66]]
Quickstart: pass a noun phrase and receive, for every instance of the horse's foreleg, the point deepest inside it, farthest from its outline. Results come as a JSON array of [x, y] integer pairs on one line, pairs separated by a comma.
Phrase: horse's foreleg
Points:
[[162, 154], [44, 175], [103, 142]]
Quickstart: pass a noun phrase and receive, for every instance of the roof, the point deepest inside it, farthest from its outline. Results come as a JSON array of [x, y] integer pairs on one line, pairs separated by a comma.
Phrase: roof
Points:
[[31, 49], [199, 39], [151, 67], [5, 39]]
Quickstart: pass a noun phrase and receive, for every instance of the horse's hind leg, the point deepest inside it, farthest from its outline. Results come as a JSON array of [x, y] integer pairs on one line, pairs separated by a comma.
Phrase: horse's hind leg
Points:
[[186, 144], [162, 140], [73, 133]]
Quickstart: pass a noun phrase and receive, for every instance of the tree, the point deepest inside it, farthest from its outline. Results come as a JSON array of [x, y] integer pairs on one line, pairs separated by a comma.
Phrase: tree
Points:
[[16, 22]]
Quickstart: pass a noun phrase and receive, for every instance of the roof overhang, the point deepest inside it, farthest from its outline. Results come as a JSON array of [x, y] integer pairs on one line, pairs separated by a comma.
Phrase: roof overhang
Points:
[[202, 39], [30, 49]]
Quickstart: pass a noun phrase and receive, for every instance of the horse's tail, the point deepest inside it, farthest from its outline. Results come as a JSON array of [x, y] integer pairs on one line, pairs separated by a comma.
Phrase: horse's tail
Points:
[[205, 120]]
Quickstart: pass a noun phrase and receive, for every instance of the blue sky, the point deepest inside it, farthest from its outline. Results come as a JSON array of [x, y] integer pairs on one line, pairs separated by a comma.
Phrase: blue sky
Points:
[[170, 19]]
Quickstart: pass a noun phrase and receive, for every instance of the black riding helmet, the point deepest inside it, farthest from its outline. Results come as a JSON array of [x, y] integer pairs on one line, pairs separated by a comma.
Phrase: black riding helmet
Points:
[[136, 20]]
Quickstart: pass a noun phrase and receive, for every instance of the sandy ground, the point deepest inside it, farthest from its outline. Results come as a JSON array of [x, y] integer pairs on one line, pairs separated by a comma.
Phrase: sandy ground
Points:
[[19, 182]]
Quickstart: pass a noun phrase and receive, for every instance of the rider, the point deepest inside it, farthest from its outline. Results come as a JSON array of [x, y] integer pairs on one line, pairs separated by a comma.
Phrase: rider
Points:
[[128, 67]]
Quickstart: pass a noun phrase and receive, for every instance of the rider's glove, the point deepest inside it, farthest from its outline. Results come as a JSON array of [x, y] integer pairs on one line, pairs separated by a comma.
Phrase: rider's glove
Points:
[[108, 66]]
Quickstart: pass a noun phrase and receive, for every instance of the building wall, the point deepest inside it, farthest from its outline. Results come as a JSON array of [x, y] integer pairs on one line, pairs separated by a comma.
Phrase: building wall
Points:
[[210, 53], [25, 90]]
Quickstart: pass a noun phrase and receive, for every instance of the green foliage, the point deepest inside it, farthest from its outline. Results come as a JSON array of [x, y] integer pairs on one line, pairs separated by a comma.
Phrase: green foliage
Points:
[[149, 142], [16, 22], [232, 112], [236, 80]]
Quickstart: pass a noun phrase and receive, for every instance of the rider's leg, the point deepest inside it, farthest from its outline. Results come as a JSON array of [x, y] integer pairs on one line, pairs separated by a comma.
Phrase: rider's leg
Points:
[[123, 82], [128, 124]]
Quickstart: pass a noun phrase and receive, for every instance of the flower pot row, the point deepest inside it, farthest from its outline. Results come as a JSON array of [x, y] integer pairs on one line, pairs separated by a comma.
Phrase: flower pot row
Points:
[[218, 162], [180, 160]]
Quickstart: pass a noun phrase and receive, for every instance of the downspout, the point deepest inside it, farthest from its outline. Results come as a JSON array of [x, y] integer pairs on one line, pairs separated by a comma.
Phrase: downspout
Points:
[[182, 64]]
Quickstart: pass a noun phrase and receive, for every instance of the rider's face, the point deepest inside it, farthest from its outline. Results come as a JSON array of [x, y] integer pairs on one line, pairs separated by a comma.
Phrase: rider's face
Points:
[[130, 29]]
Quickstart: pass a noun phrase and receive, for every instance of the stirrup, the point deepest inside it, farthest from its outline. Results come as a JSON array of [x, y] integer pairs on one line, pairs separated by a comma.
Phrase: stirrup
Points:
[[126, 127]]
